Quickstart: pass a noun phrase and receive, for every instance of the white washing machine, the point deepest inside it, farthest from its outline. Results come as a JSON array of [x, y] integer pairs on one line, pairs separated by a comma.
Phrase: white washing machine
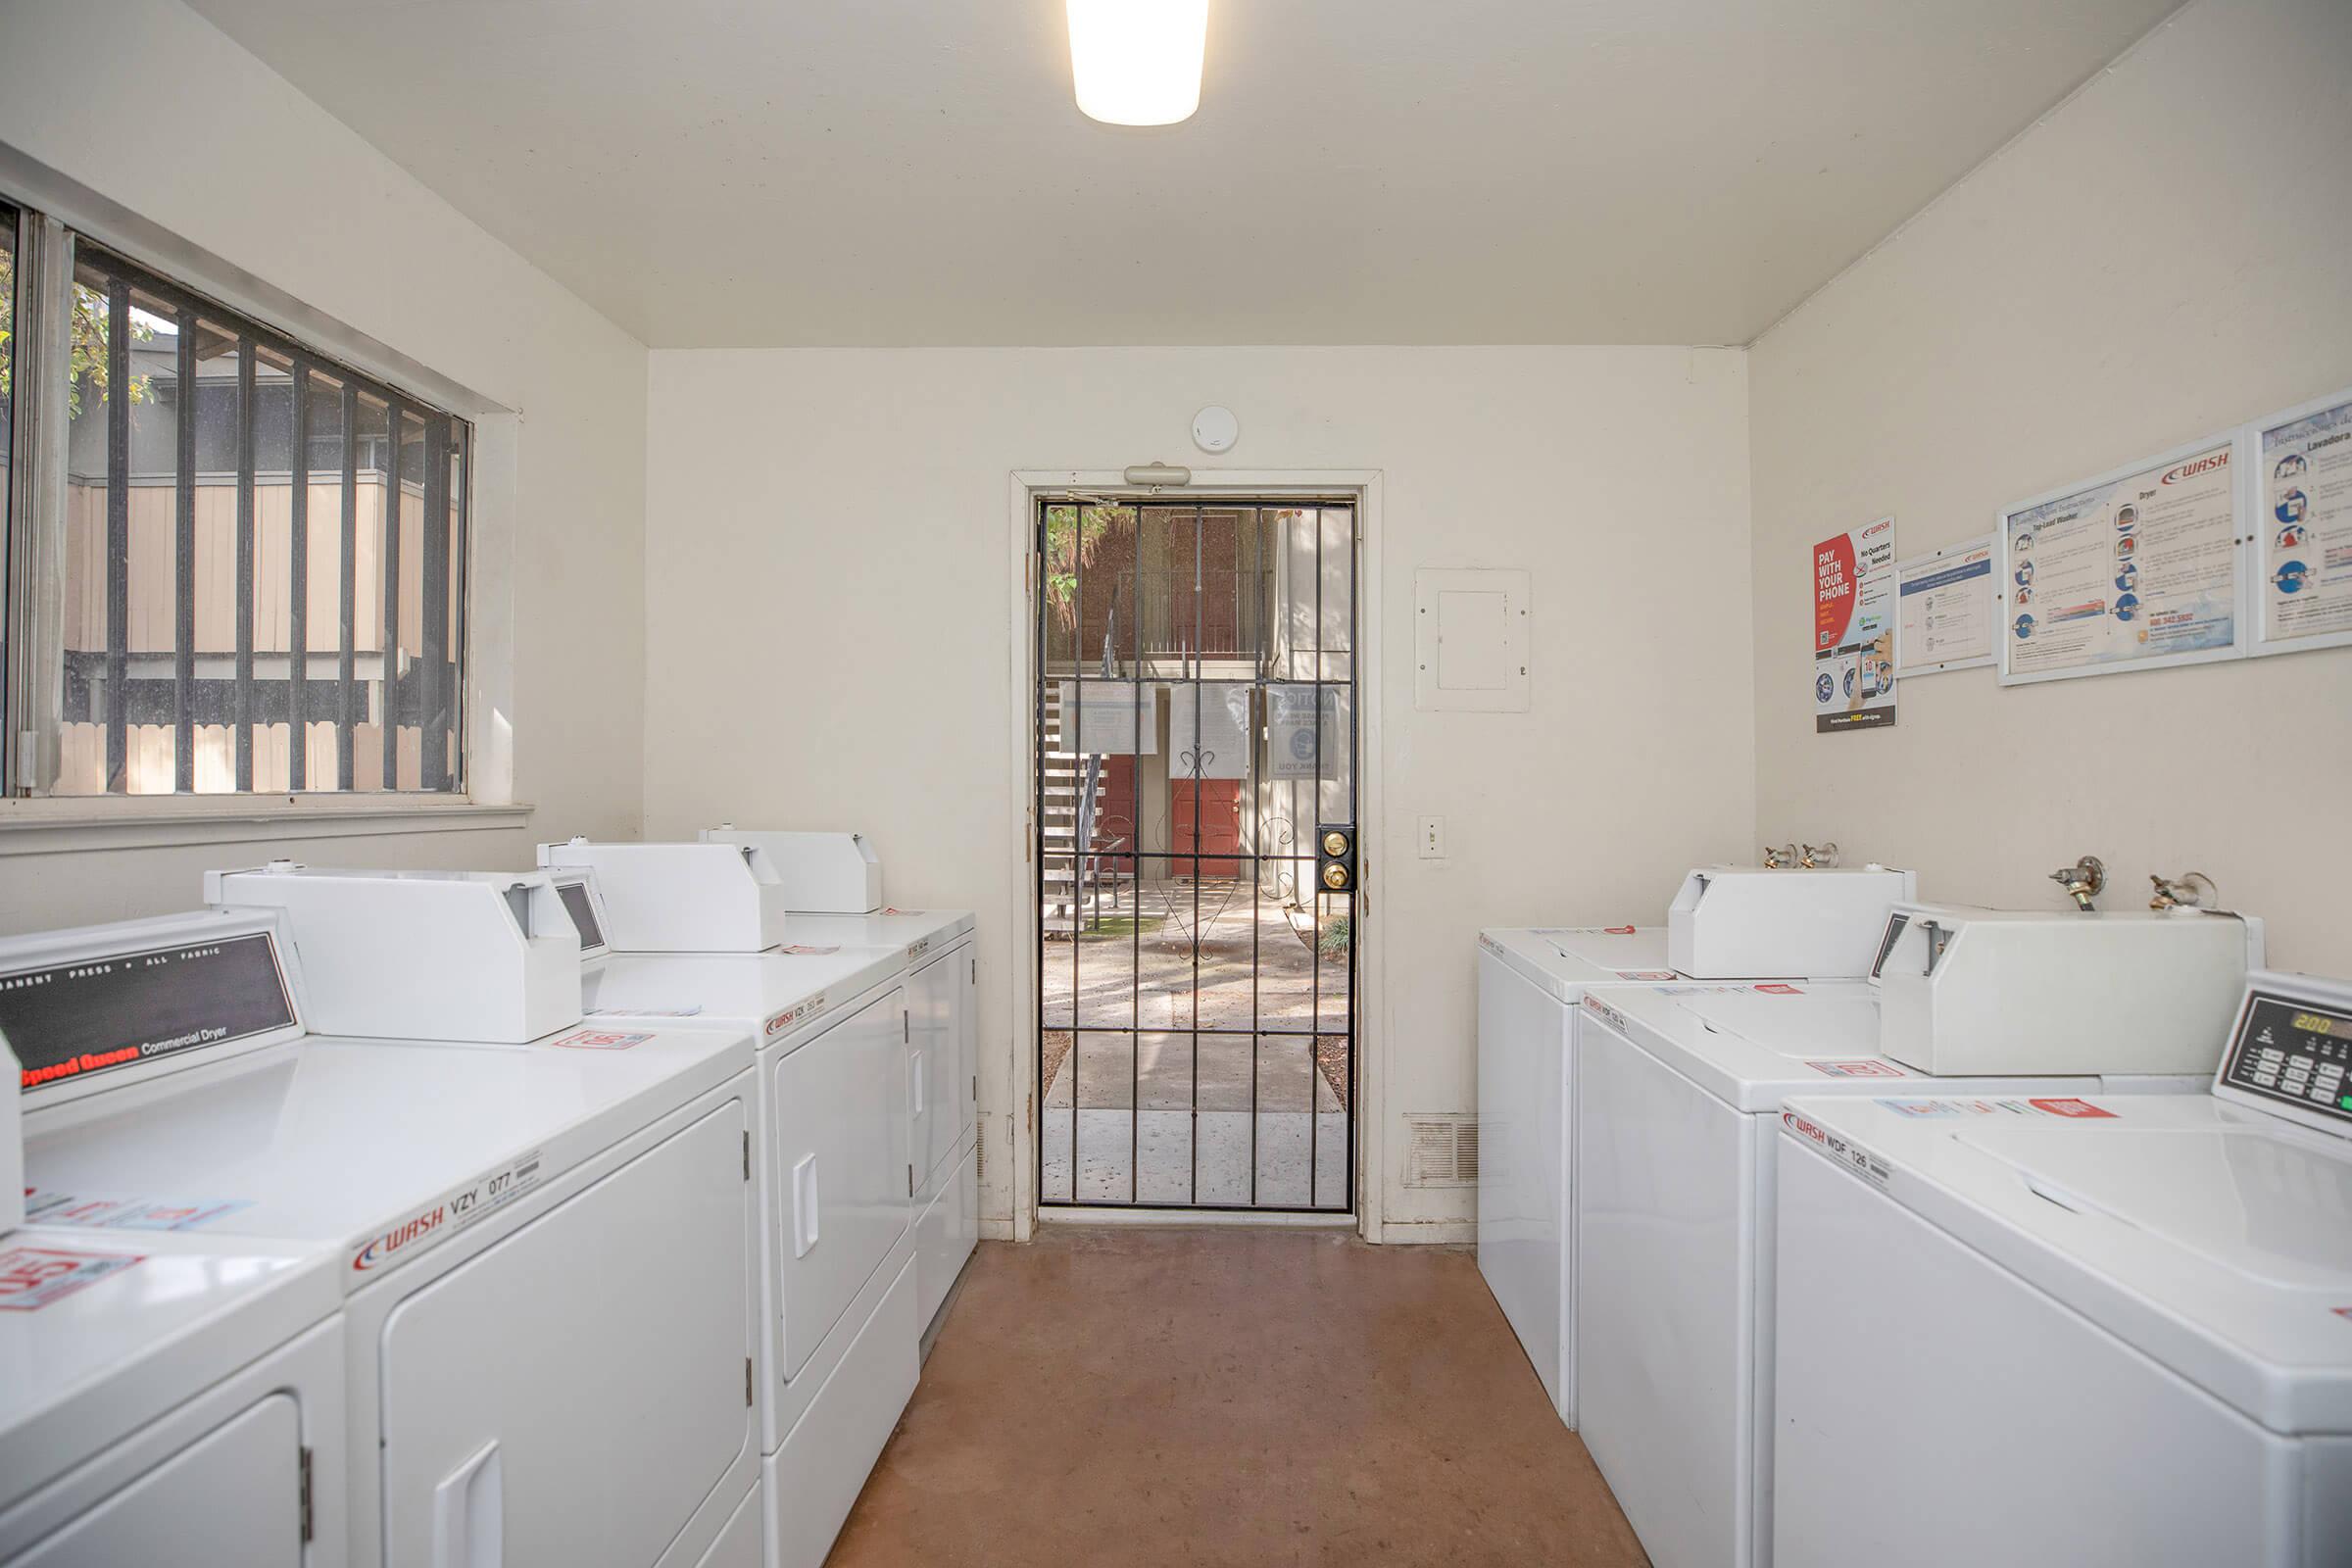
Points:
[[1678, 1088], [169, 1397], [2118, 1329], [833, 887], [1530, 983], [543, 1249], [838, 1085]]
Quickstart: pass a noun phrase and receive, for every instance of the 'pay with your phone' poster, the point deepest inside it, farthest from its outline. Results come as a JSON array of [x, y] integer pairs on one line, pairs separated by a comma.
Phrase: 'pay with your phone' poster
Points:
[[1853, 629]]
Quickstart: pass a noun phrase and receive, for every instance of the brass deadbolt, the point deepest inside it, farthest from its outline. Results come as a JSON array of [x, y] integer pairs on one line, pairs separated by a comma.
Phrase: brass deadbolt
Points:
[[1335, 877], [1335, 843]]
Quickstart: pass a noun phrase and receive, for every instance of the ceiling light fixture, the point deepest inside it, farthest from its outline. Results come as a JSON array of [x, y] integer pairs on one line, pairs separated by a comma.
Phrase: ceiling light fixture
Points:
[[1138, 62]]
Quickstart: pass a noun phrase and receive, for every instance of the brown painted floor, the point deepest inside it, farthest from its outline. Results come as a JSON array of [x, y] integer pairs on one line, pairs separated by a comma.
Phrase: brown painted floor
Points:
[[1125, 1395]]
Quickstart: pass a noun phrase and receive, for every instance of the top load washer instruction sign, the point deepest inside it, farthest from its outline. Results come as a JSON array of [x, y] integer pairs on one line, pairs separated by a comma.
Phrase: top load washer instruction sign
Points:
[[2127, 571], [2303, 484], [1853, 629]]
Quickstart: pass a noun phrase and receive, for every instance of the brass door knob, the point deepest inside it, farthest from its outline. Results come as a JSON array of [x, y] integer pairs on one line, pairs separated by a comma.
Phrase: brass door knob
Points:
[[1335, 843], [1335, 877]]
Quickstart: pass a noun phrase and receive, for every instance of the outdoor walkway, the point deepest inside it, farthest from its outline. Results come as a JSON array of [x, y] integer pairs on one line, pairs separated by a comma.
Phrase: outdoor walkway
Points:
[[1143, 1398]]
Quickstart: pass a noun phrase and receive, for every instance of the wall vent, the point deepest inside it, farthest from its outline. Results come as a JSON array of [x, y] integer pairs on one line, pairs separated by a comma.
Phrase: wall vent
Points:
[[1441, 1149]]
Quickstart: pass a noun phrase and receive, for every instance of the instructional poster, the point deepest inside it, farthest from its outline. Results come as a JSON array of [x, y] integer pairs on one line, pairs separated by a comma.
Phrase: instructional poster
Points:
[[2129, 570], [1944, 609], [1853, 629], [2304, 483]]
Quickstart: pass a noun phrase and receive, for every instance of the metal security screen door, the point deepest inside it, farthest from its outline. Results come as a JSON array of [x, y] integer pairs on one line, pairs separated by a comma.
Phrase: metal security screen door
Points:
[[1195, 745]]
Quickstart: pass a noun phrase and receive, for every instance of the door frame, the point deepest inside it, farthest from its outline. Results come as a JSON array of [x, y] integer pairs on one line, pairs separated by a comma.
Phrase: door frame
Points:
[[1025, 488]]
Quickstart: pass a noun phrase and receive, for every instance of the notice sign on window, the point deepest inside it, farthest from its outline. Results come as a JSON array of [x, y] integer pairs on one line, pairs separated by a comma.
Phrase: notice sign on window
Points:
[[2131, 570], [1853, 629]]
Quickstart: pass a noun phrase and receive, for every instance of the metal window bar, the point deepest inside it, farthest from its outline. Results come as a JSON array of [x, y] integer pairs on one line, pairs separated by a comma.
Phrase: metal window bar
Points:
[[298, 585], [434, 590], [347, 697], [117, 536], [183, 619], [245, 564], [388, 716]]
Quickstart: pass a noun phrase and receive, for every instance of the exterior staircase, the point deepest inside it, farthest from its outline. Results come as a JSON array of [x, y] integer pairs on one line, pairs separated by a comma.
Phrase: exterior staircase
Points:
[[1080, 881]]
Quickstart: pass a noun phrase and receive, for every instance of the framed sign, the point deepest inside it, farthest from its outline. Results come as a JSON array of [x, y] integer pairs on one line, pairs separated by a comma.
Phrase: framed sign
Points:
[[2299, 470], [2137, 569]]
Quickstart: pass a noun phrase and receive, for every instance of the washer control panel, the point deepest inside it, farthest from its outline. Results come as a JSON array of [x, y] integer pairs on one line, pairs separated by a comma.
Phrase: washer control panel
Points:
[[2297, 1050]]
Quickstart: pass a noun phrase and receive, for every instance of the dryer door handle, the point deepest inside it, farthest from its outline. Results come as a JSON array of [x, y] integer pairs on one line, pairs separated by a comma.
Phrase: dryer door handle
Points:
[[804, 1206], [915, 1073], [469, 1513]]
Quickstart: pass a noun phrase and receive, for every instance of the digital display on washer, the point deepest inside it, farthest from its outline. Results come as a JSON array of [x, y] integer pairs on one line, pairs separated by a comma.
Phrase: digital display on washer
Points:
[[92, 1014], [2297, 1051], [583, 914]]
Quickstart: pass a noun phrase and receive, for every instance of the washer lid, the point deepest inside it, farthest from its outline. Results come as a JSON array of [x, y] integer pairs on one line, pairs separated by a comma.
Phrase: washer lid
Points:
[[2238, 1194], [374, 1149], [1565, 959], [2214, 1239], [1753, 1044], [767, 994], [917, 932], [101, 1334]]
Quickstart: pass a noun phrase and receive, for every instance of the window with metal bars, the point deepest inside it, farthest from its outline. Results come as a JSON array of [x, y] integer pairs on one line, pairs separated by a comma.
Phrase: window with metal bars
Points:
[[258, 553]]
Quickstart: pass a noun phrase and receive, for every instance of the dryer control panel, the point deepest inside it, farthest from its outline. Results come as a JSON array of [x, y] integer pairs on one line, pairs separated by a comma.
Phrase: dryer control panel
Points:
[[2294, 1046]]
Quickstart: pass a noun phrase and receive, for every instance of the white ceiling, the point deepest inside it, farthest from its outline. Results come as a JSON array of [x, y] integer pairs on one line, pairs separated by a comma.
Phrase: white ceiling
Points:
[[761, 173]]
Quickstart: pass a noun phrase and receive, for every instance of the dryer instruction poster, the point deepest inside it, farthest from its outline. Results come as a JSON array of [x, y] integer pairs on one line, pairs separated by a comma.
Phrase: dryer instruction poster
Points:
[[2123, 571], [1853, 629], [2306, 527]]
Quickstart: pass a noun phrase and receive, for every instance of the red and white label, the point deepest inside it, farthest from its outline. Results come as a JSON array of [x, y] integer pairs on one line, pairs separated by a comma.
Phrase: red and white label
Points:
[[32, 1277], [1777, 988], [2081, 1108], [1618, 930], [599, 1040], [1857, 1069], [810, 951], [1844, 1151], [1647, 974]]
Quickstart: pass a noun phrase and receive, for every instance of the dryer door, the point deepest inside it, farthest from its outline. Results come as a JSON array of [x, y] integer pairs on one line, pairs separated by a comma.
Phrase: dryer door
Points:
[[574, 1394], [845, 1174], [231, 1499]]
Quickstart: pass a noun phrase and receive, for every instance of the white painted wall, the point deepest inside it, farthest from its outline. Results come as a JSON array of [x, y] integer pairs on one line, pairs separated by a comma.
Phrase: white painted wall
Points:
[[2163, 256], [153, 108], [827, 553]]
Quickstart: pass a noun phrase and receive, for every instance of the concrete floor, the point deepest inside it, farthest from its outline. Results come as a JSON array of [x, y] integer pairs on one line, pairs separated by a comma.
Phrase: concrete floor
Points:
[[1205, 1397]]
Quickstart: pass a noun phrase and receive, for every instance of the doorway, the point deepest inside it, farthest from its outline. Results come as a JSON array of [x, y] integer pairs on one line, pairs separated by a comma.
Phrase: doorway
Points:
[[1195, 736]]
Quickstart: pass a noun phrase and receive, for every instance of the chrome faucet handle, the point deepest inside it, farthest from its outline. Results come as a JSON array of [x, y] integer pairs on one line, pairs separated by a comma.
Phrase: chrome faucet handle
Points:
[[1818, 855], [2191, 890]]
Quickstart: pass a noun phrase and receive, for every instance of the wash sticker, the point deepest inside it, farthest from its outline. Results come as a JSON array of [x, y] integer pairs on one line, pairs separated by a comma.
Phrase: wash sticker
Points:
[[599, 1040], [33, 1277], [643, 1013], [1647, 974], [126, 1214], [1490, 944], [792, 1017], [915, 949], [1779, 988], [477, 1200], [1844, 1151], [1866, 1068], [808, 951], [1609, 1014]]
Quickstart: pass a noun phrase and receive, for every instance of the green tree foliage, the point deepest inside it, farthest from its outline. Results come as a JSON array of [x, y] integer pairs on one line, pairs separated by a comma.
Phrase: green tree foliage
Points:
[[1071, 534], [88, 358]]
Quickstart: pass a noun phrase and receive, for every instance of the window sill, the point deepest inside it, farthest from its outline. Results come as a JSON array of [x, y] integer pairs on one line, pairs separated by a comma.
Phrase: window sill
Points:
[[58, 825]]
